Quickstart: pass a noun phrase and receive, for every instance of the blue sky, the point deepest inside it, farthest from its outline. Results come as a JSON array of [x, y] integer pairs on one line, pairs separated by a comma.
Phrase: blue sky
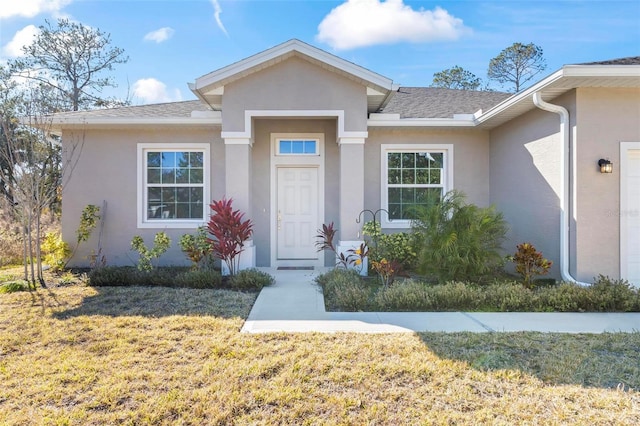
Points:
[[172, 42]]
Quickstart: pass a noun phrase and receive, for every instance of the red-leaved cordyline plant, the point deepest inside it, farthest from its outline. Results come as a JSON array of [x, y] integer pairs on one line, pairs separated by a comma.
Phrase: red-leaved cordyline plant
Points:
[[355, 256], [229, 233]]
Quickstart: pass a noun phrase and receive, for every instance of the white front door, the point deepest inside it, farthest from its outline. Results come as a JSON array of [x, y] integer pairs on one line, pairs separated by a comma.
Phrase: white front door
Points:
[[297, 215], [630, 212]]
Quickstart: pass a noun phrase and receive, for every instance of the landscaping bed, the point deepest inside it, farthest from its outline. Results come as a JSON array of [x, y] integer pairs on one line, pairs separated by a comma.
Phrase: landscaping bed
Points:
[[346, 291]]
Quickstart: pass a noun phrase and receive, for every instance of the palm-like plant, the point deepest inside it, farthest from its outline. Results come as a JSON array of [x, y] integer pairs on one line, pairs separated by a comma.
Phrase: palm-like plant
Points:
[[459, 241], [229, 232]]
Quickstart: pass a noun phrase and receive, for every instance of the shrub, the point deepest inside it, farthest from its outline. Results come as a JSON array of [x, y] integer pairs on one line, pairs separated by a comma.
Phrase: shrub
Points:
[[565, 297], [199, 279], [398, 246], [196, 247], [614, 295], [409, 295], [458, 241], [530, 263], [110, 276], [345, 290], [250, 279], [386, 270], [161, 244], [56, 251], [129, 276], [332, 275], [14, 286]]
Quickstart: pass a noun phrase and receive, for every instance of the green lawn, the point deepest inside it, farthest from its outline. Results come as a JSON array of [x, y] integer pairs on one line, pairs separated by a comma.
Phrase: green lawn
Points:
[[79, 355]]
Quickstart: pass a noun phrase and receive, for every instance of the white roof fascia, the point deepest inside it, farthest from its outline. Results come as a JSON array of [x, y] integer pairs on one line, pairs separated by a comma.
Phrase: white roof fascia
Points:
[[527, 93], [197, 121], [601, 71], [421, 122], [286, 48], [564, 72]]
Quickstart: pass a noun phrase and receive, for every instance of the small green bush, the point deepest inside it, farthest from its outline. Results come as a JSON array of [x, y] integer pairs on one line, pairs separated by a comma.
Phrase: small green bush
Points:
[[565, 297], [56, 251], [128, 276], [14, 286], [250, 279], [408, 295], [530, 263], [614, 295], [112, 276], [399, 246], [200, 279], [197, 248], [345, 290], [161, 244]]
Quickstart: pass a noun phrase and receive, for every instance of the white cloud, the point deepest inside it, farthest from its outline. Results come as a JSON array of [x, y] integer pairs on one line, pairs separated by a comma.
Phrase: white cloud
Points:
[[360, 23], [160, 35], [31, 8], [151, 90], [22, 38], [217, 11]]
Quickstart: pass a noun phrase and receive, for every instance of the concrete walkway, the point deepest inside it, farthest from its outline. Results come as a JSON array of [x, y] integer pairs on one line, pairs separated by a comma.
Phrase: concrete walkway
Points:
[[296, 304]]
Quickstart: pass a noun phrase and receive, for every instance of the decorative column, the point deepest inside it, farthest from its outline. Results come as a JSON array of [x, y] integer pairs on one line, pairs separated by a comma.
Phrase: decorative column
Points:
[[238, 187], [351, 194]]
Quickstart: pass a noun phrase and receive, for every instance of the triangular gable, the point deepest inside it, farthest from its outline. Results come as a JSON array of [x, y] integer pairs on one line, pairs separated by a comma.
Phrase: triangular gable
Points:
[[210, 87]]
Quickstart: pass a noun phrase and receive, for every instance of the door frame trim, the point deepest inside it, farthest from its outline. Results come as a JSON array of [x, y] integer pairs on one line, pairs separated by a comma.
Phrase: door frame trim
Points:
[[279, 161], [625, 148]]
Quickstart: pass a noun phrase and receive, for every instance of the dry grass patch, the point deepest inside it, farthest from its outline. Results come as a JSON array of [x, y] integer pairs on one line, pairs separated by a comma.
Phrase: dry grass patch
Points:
[[77, 355]]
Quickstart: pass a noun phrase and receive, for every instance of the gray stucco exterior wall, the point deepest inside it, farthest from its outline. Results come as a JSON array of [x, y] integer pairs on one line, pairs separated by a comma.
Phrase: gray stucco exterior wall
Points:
[[525, 179], [605, 117], [471, 160], [107, 171], [294, 84]]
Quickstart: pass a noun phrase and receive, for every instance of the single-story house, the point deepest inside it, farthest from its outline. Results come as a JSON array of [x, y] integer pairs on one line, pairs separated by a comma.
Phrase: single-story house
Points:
[[298, 137]]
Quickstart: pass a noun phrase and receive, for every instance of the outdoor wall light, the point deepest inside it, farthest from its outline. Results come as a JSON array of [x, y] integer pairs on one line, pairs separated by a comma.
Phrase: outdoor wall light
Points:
[[606, 166]]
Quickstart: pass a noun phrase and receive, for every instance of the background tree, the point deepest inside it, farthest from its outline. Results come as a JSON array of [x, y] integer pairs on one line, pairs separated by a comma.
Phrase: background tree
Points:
[[456, 78], [71, 59], [517, 65]]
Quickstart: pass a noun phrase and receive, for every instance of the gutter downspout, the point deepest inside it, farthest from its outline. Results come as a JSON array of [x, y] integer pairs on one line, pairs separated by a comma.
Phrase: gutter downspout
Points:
[[564, 188]]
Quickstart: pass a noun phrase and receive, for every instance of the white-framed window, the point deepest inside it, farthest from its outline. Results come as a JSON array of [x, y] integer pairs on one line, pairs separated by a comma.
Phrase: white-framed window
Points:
[[297, 146], [413, 175], [173, 185]]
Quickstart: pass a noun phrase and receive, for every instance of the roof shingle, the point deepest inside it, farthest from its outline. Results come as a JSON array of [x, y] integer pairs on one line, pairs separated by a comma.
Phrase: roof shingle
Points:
[[165, 110], [630, 60], [433, 102]]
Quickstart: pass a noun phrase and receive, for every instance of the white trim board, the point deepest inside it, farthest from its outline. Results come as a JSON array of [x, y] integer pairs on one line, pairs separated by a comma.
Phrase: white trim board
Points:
[[625, 208], [250, 114]]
